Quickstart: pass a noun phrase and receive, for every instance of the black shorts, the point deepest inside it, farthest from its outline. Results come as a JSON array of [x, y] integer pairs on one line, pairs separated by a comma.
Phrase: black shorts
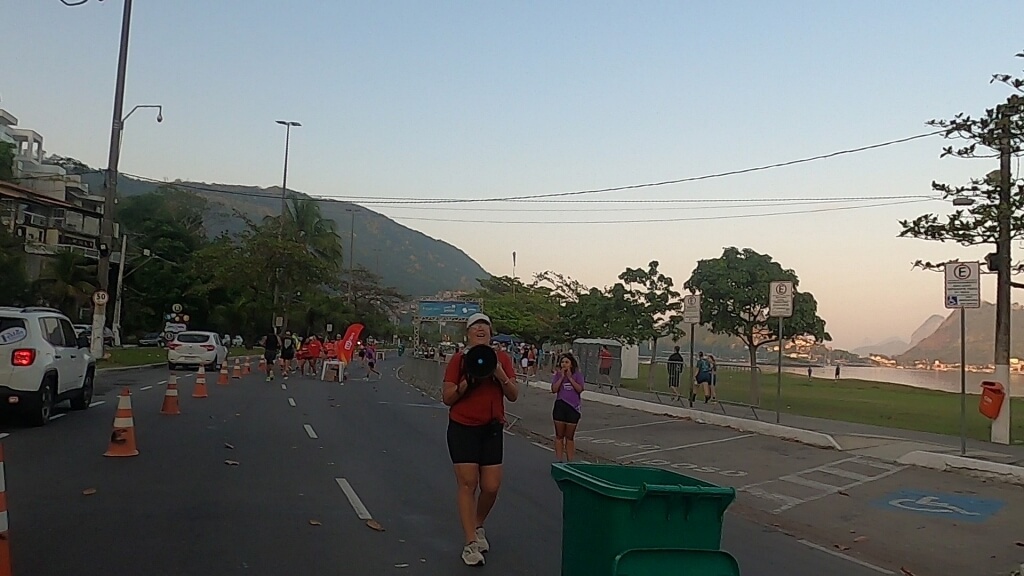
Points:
[[605, 371], [288, 355], [270, 355], [563, 412], [673, 380], [481, 445], [372, 364], [703, 378]]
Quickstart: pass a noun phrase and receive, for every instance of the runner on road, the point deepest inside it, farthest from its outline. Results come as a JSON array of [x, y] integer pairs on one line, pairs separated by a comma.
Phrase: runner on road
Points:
[[271, 346], [287, 353], [371, 361]]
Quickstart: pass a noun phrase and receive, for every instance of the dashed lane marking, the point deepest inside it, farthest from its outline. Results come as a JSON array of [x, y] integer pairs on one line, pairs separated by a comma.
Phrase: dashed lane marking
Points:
[[56, 416], [97, 403], [353, 499], [310, 432], [147, 387], [291, 402]]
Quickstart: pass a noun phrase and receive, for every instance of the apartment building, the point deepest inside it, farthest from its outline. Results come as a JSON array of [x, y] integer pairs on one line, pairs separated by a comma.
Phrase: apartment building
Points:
[[52, 210]]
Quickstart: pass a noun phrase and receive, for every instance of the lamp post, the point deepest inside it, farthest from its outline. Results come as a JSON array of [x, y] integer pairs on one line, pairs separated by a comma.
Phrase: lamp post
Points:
[[351, 250], [288, 124]]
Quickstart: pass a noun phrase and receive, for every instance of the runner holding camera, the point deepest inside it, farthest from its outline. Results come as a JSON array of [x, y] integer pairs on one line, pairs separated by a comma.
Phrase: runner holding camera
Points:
[[476, 385]]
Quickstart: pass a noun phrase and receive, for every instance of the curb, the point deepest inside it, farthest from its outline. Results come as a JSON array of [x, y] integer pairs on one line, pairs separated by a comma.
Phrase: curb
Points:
[[809, 437], [126, 368], [1007, 473]]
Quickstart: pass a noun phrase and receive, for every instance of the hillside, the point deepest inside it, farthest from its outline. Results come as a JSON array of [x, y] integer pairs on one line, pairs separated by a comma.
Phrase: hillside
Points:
[[411, 261], [944, 344], [890, 347], [927, 329]]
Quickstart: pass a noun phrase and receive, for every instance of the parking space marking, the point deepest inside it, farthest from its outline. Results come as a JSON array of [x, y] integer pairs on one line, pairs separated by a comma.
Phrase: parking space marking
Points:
[[824, 489], [625, 427], [539, 445], [878, 569], [684, 446]]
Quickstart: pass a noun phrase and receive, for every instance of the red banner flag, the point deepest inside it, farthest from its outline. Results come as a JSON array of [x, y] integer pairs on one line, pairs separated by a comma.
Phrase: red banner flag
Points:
[[349, 342]]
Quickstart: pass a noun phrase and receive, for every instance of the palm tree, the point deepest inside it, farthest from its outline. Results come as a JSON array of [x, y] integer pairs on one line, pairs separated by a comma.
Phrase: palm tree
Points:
[[319, 235], [66, 282]]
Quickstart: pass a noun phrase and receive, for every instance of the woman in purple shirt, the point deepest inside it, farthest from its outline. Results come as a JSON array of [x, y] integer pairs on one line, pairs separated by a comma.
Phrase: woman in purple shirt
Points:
[[567, 385]]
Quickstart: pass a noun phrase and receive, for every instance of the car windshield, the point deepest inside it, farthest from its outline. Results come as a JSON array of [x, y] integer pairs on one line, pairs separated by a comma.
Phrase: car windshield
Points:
[[193, 338]]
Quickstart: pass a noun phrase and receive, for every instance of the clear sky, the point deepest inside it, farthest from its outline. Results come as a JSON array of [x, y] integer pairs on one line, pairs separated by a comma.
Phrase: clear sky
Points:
[[491, 99]]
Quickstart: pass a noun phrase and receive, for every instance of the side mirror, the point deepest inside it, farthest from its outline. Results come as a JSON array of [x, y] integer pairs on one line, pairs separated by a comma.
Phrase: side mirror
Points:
[[83, 342]]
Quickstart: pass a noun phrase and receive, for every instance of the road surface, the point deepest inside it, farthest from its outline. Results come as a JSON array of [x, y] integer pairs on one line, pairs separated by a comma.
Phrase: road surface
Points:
[[178, 508]]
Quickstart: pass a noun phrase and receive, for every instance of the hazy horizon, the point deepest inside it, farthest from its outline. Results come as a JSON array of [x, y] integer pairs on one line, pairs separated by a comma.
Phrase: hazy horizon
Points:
[[471, 100]]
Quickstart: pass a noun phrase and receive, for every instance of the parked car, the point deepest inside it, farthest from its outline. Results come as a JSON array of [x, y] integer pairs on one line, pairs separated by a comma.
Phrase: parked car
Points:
[[43, 362], [152, 339], [86, 330], [196, 348]]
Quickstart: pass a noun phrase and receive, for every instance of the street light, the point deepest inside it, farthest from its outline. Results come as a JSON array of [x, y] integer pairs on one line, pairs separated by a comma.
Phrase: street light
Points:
[[287, 143]]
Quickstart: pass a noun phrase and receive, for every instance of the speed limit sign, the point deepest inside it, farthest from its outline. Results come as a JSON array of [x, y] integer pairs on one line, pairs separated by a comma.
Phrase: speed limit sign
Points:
[[100, 297]]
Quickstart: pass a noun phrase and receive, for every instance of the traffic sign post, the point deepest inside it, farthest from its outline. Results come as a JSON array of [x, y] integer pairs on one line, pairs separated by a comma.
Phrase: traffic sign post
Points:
[[780, 305], [99, 321], [691, 316], [962, 291]]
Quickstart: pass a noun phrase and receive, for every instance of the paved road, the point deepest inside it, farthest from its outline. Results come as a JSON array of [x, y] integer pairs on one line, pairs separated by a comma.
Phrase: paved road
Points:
[[179, 509]]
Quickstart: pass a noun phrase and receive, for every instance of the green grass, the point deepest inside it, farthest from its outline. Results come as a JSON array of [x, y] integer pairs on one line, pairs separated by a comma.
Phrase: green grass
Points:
[[859, 401], [124, 357]]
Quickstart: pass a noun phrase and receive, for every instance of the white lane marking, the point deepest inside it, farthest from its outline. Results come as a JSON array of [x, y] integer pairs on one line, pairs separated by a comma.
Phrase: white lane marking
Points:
[[310, 432], [291, 402], [878, 569], [55, 416], [361, 512], [826, 490], [695, 444], [509, 432], [624, 427], [147, 387], [161, 383], [539, 445], [284, 386], [437, 406], [97, 403], [4, 435]]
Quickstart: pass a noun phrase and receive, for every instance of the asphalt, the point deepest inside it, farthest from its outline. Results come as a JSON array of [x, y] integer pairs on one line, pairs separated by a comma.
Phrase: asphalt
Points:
[[179, 508]]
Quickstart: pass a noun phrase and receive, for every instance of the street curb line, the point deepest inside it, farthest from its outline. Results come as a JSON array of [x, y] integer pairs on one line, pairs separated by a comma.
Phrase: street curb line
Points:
[[971, 466], [809, 437]]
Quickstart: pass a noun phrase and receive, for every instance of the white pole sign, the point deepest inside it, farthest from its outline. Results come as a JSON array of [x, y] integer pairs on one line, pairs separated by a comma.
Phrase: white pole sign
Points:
[[963, 285], [691, 309], [780, 299]]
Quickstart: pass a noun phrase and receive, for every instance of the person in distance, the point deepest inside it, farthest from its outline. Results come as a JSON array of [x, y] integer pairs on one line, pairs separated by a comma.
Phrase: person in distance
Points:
[[476, 419]]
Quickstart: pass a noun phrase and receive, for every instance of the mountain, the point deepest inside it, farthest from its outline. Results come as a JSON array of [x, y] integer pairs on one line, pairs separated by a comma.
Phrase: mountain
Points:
[[412, 262], [891, 347], [944, 344], [925, 330]]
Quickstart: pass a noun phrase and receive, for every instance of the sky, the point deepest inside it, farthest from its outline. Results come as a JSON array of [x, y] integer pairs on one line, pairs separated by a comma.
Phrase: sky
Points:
[[486, 99]]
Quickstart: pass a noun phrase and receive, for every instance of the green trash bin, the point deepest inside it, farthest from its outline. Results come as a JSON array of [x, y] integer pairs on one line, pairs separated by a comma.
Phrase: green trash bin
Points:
[[609, 509]]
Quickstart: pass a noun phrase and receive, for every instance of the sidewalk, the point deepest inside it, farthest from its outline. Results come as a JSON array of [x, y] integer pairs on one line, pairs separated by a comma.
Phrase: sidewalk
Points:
[[885, 443]]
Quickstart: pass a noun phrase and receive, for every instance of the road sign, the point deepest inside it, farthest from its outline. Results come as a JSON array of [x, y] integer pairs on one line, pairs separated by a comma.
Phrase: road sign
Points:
[[963, 285], [780, 299], [279, 321], [176, 308], [691, 309], [955, 507], [330, 327], [100, 297]]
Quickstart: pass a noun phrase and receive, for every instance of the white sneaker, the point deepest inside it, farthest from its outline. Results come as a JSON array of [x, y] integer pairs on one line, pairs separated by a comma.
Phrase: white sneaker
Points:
[[481, 540], [471, 555]]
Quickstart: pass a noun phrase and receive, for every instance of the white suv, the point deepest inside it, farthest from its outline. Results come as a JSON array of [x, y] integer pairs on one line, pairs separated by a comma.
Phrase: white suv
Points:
[[195, 348], [43, 362]]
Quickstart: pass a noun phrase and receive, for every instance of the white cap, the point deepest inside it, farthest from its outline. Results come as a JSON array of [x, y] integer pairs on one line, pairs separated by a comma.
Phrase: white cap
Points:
[[478, 317]]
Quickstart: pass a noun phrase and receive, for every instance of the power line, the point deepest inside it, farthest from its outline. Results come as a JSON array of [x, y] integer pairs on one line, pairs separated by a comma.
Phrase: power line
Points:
[[369, 200], [662, 220], [717, 203]]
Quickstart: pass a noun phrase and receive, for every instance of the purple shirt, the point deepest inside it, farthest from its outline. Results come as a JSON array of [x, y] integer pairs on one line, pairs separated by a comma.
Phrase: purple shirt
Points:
[[567, 393]]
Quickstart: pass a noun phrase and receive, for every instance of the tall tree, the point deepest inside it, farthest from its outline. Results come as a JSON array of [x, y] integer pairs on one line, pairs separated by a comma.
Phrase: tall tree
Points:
[[734, 300], [662, 308], [528, 311], [66, 282], [14, 289]]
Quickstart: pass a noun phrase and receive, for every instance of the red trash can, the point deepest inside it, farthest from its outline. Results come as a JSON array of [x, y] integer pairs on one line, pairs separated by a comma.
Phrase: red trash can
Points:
[[992, 397]]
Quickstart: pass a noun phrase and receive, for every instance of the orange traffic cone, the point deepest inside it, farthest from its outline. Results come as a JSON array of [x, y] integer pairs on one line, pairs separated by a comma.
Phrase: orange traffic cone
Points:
[[222, 379], [122, 439], [200, 389], [247, 367], [170, 405], [237, 372], [5, 539]]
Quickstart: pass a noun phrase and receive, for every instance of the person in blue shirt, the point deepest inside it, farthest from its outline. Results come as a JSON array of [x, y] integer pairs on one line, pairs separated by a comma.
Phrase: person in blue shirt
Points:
[[703, 378]]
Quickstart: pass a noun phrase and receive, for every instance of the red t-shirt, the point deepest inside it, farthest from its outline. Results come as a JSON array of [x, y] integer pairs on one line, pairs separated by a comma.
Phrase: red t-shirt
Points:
[[483, 404], [314, 348]]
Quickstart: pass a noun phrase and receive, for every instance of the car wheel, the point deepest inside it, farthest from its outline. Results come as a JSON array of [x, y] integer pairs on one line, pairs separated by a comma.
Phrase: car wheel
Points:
[[84, 398], [43, 406]]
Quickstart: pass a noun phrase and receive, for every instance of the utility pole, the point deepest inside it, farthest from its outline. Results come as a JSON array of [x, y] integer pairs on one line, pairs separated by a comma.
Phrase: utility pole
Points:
[[110, 183], [351, 251], [1001, 425], [284, 206]]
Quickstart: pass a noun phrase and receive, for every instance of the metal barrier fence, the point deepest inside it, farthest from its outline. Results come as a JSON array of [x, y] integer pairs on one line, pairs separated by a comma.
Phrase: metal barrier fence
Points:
[[662, 374]]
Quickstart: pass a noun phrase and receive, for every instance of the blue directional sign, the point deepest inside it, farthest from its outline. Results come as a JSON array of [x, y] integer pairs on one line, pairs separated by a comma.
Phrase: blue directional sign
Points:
[[955, 507], [453, 309]]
